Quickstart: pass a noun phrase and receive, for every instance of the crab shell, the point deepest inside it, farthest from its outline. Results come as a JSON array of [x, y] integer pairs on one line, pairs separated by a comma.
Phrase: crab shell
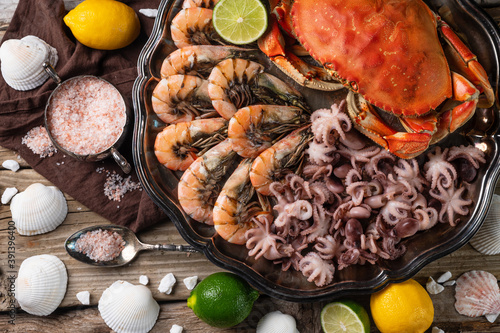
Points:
[[399, 63]]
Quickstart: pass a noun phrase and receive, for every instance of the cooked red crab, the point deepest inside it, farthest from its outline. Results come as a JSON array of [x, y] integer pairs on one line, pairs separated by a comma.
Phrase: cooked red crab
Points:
[[395, 55]]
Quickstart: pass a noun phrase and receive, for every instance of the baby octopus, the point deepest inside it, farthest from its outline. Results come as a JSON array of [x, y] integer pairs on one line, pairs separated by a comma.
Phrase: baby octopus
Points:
[[354, 203]]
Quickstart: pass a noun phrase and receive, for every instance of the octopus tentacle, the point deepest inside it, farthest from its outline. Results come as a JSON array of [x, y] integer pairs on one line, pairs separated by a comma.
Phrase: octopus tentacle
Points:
[[469, 153], [437, 168], [327, 124], [452, 203], [394, 211], [380, 165], [321, 224], [316, 269]]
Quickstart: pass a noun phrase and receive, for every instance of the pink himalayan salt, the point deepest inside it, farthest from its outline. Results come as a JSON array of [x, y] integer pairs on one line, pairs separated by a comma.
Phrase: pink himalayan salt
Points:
[[116, 186], [37, 139], [86, 115], [100, 245]]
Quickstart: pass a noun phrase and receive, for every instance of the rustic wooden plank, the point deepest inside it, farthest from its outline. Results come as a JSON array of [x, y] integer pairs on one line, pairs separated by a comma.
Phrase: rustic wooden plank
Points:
[[7, 154], [95, 279], [156, 265], [307, 316]]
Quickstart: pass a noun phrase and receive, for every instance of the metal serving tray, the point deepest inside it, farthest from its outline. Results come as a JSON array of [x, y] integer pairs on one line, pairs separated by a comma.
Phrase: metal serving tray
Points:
[[483, 37]]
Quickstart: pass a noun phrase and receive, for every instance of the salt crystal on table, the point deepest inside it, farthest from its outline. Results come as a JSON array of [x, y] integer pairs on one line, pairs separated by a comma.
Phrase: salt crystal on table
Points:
[[8, 194], [11, 165], [433, 287], [83, 297], [116, 186], [449, 283], [167, 283], [190, 282], [176, 329], [149, 12], [444, 277], [491, 317], [143, 279]]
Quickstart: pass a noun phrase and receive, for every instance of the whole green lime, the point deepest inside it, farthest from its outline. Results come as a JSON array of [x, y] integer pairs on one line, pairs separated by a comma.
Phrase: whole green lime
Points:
[[222, 299]]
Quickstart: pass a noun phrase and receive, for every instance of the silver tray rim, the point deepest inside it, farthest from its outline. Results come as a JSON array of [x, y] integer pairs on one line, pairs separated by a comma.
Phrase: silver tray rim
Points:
[[339, 289]]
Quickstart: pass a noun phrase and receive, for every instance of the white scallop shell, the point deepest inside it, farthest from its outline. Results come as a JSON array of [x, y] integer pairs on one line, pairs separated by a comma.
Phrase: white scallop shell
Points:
[[22, 59], [487, 239], [41, 284], [277, 322], [477, 294], [38, 209], [128, 308]]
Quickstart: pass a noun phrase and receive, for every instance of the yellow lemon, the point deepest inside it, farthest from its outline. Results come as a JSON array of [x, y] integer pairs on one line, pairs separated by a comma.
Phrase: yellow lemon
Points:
[[402, 308], [103, 24]]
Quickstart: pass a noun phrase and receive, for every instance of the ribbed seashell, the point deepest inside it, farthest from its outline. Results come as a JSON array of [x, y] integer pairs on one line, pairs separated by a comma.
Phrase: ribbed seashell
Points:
[[38, 209], [41, 284], [477, 294], [22, 59], [277, 322], [487, 239], [128, 308]]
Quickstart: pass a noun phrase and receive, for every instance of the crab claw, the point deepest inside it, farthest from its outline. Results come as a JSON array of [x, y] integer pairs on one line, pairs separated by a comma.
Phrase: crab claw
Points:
[[421, 131], [273, 44], [457, 115], [366, 120]]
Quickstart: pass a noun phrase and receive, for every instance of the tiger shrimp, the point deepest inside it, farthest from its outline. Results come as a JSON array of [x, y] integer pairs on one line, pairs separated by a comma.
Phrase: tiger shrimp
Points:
[[198, 186], [179, 145], [282, 157], [193, 26], [199, 3], [253, 128], [200, 59], [181, 98], [236, 83], [233, 209]]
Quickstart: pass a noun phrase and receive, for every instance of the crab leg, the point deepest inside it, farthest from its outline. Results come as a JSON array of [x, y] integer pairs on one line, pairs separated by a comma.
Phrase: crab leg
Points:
[[466, 63], [272, 43], [451, 119], [423, 130], [368, 121], [451, 116], [281, 11]]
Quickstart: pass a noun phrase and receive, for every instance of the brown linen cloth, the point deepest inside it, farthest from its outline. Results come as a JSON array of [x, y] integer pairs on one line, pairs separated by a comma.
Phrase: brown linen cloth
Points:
[[21, 111]]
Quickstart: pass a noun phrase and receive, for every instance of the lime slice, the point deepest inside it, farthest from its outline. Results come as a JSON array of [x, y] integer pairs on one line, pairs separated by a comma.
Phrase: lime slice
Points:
[[344, 317], [240, 21]]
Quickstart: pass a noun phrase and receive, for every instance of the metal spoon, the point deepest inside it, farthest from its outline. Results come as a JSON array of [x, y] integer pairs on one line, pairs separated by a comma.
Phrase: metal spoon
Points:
[[132, 246]]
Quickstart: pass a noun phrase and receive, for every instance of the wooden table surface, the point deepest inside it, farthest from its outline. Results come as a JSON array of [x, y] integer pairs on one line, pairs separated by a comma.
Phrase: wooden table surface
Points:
[[71, 316]]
